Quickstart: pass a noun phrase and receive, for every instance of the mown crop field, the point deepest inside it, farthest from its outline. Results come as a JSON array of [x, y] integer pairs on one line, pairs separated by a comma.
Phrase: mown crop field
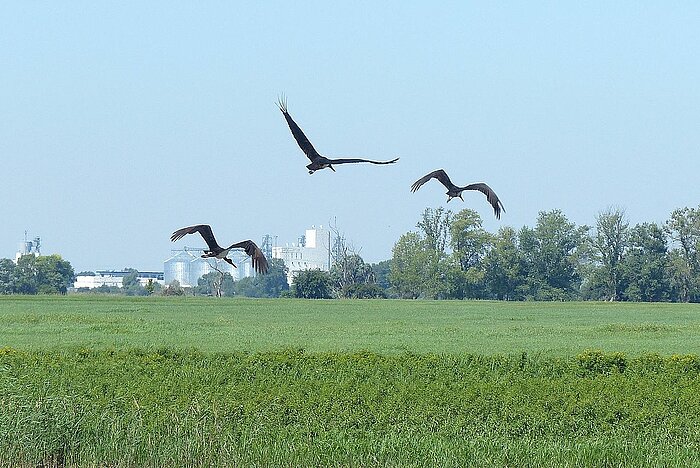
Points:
[[105, 381]]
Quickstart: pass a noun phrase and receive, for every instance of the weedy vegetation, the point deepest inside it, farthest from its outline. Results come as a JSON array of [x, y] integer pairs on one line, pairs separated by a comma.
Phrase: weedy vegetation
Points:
[[157, 383]]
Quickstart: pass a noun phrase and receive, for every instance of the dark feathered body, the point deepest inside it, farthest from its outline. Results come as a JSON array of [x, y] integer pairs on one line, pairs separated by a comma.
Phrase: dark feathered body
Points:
[[216, 251], [453, 191], [317, 161]]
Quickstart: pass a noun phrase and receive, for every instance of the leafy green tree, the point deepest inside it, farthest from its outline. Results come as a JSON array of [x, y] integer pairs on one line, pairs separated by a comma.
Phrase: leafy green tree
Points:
[[610, 243], [312, 284], [131, 278], [350, 270], [552, 254], [646, 266], [461, 284], [503, 266], [215, 283], [46, 274], [468, 239], [420, 266], [131, 286], [435, 227], [54, 275], [406, 275], [684, 229], [173, 289], [272, 284], [25, 275], [381, 272], [469, 242], [152, 287], [7, 271]]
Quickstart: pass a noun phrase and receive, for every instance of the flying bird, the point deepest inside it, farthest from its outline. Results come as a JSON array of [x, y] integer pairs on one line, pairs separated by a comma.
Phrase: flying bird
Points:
[[317, 161], [453, 191], [216, 251]]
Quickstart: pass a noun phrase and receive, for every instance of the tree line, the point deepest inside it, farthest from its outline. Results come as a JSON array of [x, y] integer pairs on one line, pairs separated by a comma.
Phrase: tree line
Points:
[[451, 256]]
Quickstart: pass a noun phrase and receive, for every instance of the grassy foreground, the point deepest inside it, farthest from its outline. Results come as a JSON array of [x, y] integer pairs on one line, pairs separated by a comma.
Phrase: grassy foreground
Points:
[[138, 408], [204, 382]]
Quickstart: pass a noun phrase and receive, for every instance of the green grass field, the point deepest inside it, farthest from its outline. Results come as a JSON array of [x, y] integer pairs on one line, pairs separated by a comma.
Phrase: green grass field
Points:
[[382, 326], [116, 381]]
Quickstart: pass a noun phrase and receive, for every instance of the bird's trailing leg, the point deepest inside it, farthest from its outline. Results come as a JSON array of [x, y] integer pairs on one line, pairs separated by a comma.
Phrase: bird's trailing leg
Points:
[[331, 168], [230, 262]]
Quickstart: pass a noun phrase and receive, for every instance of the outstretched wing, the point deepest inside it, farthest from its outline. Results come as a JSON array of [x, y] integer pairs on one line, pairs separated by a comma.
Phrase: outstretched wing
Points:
[[490, 196], [299, 136], [439, 174], [203, 229], [252, 250], [345, 161]]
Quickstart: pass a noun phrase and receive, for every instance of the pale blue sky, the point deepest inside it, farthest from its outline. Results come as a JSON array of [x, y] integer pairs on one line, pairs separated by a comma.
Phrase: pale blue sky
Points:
[[123, 121]]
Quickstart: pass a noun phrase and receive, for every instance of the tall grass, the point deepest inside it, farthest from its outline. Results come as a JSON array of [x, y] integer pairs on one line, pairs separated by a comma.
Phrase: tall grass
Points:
[[156, 407]]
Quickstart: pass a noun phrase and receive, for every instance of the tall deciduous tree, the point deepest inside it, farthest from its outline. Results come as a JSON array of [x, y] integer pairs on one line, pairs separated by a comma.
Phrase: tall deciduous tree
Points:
[[7, 269], [684, 230], [46, 274], [381, 272], [468, 239], [610, 243], [131, 286], [552, 252], [435, 227], [469, 242], [406, 269], [271, 284], [504, 270], [215, 283], [348, 272], [645, 267]]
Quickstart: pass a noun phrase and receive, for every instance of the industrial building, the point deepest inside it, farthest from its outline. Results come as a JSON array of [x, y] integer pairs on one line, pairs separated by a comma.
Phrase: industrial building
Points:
[[115, 278], [312, 251], [28, 247]]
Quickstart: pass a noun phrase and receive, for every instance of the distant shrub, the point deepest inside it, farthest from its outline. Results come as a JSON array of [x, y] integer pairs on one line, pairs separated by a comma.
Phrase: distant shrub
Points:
[[312, 284]]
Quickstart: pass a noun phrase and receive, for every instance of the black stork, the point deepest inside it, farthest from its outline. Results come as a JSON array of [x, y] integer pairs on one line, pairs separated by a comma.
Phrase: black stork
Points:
[[216, 251], [317, 161], [454, 191]]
